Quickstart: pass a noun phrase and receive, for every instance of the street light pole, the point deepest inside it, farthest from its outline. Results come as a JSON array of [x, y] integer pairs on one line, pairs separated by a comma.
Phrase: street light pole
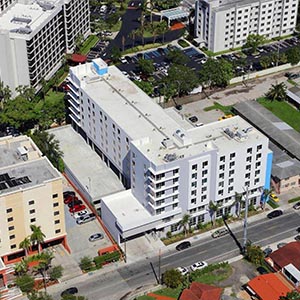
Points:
[[125, 256], [159, 265]]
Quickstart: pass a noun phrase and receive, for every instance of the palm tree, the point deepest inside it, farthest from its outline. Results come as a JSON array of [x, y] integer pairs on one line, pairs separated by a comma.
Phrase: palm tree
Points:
[[37, 236], [293, 295], [44, 259], [26, 92], [185, 222], [21, 268], [132, 36], [213, 208], [277, 92], [238, 203], [154, 29], [163, 28], [26, 245]]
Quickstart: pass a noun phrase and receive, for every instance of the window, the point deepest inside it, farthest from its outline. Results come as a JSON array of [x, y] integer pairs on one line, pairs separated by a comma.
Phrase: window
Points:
[[232, 155], [249, 159], [258, 156], [222, 168], [193, 201], [231, 172], [194, 167], [56, 221], [257, 164], [32, 211], [204, 173], [31, 202], [220, 192], [194, 176], [221, 176], [194, 184], [194, 193], [32, 220], [57, 231], [10, 219], [249, 150], [54, 196], [13, 246], [204, 180], [56, 213], [11, 237], [204, 164], [222, 159], [230, 180], [248, 167], [231, 164], [55, 204], [175, 205], [256, 180], [160, 210], [9, 210], [10, 228]]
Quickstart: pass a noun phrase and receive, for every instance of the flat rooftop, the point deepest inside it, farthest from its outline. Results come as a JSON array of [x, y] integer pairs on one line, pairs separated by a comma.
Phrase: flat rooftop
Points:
[[283, 165], [85, 163], [225, 4], [23, 19], [22, 165], [127, 210], [153, 131], [274, 128]]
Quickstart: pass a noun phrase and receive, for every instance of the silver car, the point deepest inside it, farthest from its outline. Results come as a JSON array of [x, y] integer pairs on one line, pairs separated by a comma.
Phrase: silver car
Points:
[[85, 219], [96, 236]]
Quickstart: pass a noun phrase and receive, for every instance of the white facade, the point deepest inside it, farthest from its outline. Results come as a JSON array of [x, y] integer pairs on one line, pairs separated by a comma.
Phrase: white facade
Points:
[[171, 171], [223, 25], [34, 36]]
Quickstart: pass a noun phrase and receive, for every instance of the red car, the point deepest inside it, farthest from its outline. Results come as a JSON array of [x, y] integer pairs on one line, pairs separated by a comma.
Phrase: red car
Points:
[[70, 199], [77, 208]]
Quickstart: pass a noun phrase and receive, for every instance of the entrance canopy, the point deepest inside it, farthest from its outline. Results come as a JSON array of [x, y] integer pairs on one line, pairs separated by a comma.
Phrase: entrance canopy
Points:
[[174, 14]]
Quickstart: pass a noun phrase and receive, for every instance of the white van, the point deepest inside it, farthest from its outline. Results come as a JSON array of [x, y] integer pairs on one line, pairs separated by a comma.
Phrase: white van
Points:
[[103, 9]]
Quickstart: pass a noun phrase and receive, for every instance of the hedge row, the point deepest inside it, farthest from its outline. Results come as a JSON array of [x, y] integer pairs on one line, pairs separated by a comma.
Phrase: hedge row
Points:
[[106, 258]]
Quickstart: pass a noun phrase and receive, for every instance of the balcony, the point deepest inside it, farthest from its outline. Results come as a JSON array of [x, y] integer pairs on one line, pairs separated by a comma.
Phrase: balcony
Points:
[[74, 96], [162, 179], [154, 189], [154, 207], [154, 198], [75, 119], [74, 105], [74, 112]]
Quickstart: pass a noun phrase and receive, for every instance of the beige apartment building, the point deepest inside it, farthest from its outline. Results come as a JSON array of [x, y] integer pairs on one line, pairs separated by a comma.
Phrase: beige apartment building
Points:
[[30, 193]]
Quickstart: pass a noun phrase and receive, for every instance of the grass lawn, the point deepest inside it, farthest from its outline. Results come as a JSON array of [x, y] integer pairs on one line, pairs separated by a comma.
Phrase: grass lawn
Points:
[[145, 298], [173, 293], [90, 42], [214, 276], [283, 111], [53, 96], [294, 200], [225, 109]]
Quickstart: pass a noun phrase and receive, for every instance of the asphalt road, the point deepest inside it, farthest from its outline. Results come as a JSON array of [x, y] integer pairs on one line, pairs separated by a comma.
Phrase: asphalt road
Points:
[[117, 283]]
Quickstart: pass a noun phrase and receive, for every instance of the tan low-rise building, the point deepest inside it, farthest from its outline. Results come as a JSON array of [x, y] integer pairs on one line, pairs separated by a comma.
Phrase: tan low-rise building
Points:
[[31, 193]]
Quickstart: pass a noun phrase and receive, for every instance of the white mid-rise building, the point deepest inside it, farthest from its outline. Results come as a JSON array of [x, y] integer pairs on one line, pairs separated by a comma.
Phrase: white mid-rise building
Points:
[[35, 34], [171, 170], [222, 25]]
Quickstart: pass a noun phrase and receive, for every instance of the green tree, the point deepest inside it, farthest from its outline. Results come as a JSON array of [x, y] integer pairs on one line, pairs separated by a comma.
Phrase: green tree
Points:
[[265, 197], [56, 272], [44, 87], [21, 268], [254, 254], [184, 222], [78, 42], [180, 80], [86, 263], [5, 94], [277, 92], [213, 208], [37, 236], [146, 66], [26, 92], [26, 245], [177, 57], [115, 54], [163, 28], [293, 295], [154, 29], [216, 73], [172, 278], [253, 42], [48, 145], [19, 113], [25, 283], [73, 297], [265, 62], [132, 35], [145, 86], [293, 55], [283, 58]]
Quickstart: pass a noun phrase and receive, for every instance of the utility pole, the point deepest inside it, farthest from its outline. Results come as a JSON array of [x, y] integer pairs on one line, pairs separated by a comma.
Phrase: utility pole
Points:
[[125, 256], [246, 220]]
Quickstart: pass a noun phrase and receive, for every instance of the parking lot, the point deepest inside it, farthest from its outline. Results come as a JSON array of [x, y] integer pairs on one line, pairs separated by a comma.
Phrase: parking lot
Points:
[[99, 50], [78, 236]]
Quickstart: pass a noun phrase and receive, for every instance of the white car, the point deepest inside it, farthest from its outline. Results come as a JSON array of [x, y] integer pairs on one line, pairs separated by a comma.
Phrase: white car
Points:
[[199, 265], [183, 270], [80, 213]]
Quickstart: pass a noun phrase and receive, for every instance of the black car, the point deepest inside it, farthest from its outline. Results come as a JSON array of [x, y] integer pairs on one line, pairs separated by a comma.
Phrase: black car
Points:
[[75, 202], [68, 193], [274, 214], [267, 251], [178, 107], [70, 291], [262, 270], [298, 229], [193, 119], [297, 238], [183, 246]]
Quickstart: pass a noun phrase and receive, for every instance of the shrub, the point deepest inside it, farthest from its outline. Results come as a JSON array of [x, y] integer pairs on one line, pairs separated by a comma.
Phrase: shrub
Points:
[[106, 258], [169, 234], [86, 263]]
